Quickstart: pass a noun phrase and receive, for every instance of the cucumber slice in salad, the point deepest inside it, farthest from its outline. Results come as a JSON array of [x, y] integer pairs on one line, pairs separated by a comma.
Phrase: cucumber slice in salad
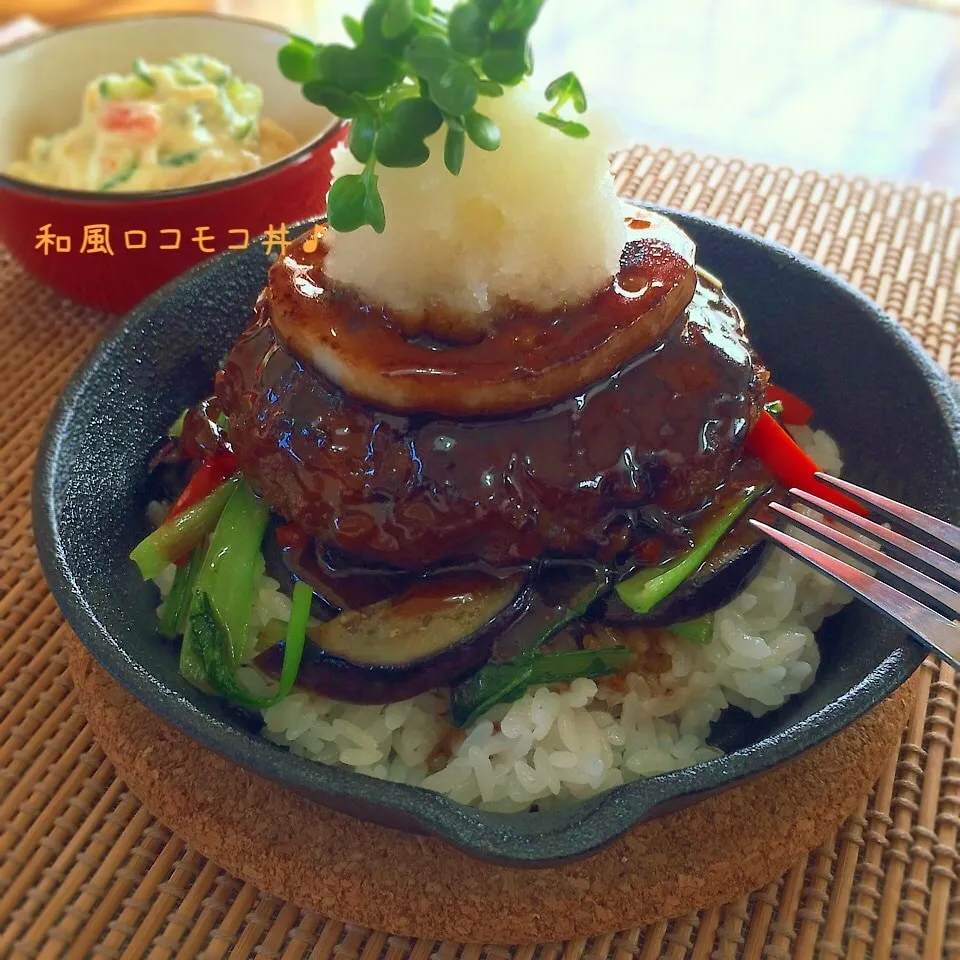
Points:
[[115, 87], [121, 176]]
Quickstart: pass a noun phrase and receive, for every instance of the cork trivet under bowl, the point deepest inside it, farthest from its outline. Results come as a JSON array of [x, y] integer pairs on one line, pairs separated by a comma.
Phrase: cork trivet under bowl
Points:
[[710, 853]]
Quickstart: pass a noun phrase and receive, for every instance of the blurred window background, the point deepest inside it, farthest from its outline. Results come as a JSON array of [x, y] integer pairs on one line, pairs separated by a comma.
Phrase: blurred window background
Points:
[[867, 87]]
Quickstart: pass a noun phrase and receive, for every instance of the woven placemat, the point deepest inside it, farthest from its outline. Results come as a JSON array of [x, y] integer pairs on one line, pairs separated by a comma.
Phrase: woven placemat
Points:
[[86, 872]]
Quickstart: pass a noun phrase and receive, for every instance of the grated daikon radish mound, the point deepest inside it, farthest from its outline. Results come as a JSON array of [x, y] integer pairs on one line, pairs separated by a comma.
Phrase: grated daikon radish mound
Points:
[[536, 222]]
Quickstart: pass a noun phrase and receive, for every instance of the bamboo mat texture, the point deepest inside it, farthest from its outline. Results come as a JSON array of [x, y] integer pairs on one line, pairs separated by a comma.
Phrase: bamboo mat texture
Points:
[[85, 871]]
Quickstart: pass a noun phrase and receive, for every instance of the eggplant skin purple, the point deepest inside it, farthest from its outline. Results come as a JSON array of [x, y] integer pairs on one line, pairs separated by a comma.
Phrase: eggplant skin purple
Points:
[[727, 572], [431, 635]]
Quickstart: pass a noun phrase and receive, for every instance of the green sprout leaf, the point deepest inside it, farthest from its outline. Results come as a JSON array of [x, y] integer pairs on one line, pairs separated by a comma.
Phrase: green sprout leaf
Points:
[[430, 56], [373, 204], [397, 18], [353, 28], [354, 201], [362, 70], [454, 146], [400, 140], [347, 105], [490, 89], [570, 127], [523, 15], [469, 29], [417, 116], [375, 34], [482, 131], [411, 69], [297, 59], [456, 89], [567, 87], [506, 59], [363, 130], [395, 148], [346, 203]]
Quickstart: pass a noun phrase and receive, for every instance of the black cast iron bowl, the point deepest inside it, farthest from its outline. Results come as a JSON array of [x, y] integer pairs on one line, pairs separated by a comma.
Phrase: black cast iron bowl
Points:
[[892, 411]]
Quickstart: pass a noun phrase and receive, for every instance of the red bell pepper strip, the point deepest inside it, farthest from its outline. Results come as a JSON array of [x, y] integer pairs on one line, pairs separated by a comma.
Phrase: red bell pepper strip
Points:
[[795, 412], [785, 459], [213, 471]]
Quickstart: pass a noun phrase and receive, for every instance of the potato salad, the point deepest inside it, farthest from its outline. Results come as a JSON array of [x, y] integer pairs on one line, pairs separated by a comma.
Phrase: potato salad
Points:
[[187, 121]]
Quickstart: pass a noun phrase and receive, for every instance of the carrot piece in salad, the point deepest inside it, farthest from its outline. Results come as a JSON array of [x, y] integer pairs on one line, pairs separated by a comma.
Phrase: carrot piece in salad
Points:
[[140, 119]]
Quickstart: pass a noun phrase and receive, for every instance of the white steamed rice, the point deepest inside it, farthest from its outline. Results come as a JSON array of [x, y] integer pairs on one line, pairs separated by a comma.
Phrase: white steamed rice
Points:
[[576, 741]]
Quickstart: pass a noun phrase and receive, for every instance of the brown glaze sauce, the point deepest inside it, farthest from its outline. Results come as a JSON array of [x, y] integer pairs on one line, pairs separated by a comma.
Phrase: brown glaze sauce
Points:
[[202, 435], [638, 454], [437, 594]]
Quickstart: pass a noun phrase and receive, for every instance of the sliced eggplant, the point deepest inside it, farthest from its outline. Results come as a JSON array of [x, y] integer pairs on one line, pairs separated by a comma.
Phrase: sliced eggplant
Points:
[[430, 635], [731, 566], [343, 586]]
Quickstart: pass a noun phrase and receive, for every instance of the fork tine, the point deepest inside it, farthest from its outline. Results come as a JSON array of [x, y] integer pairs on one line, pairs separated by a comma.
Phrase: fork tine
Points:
[[940, 530], [949, 598], [949, 568], [928, 626]]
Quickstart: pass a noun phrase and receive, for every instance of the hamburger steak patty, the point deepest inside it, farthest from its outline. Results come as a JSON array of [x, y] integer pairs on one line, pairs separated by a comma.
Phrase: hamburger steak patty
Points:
[[657, 438]]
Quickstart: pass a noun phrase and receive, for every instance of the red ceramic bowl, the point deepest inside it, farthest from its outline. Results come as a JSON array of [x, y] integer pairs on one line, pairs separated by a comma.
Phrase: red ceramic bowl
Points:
[[111, 250]]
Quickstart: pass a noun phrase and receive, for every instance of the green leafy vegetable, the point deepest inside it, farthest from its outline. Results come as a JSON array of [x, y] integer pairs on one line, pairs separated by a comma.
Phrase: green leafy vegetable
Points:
[[571, 664], [644, 590], [230, 565], [211, 643], [177, 537], [411, 70], [499, 682], [503, 682], [696, 631], [177, 605], [295, 639]]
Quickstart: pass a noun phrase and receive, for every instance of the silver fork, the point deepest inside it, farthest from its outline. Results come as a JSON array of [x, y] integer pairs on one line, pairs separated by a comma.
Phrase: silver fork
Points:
[[933, 629]]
